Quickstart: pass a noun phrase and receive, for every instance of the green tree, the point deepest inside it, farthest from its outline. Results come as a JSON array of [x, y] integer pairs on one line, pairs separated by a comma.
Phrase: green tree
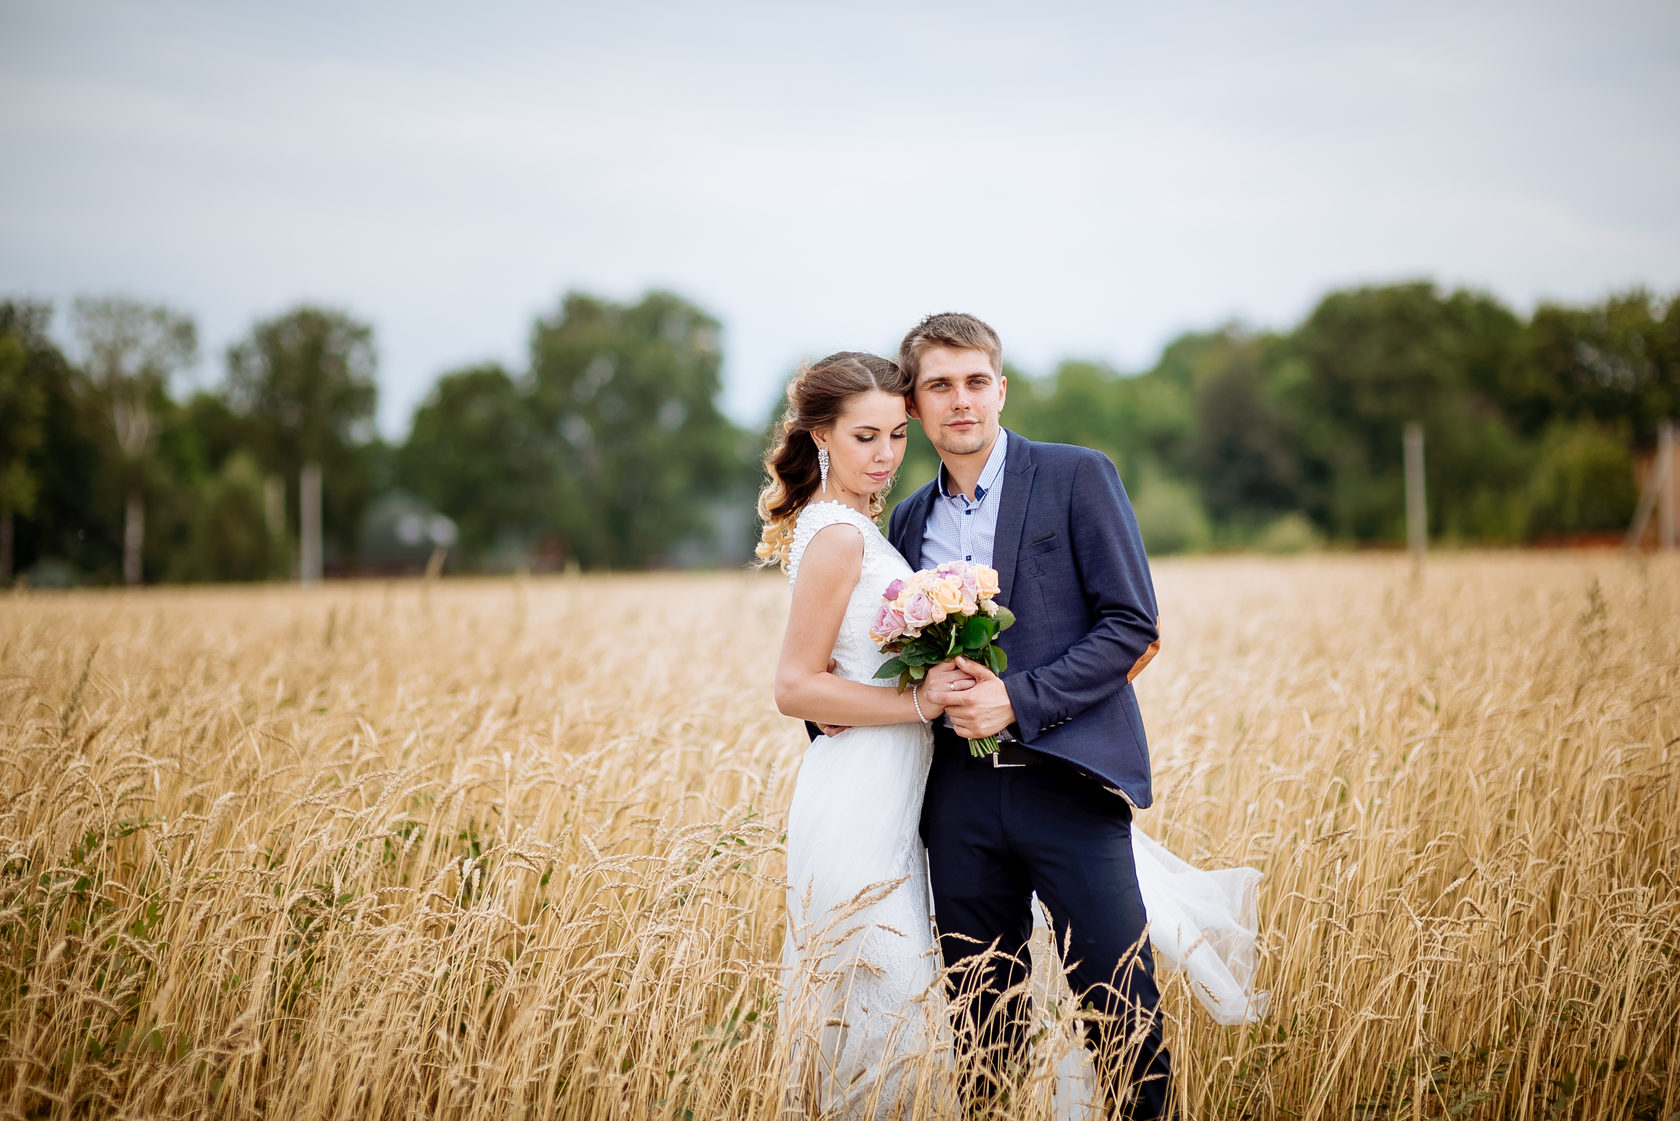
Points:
[[628, 397], [475, 453], [1165, 396], [1079, 403], [1170, 515], [130, 351], [23, 407], [1243, 451], [1374, 359], [1140, 421], [305, 379], [1582, 482], [226, 533], [1613, 362], [75, 524]]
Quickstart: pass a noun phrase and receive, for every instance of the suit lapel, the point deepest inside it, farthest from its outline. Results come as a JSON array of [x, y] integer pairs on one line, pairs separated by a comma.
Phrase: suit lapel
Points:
[[1012, 515], [915, 524]]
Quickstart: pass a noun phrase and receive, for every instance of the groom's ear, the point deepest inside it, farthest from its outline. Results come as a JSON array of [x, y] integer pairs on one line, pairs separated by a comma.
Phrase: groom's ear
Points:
[[910, 407]]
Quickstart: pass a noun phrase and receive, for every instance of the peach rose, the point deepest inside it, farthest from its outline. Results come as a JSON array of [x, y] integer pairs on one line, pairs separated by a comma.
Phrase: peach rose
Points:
[[948, 594]]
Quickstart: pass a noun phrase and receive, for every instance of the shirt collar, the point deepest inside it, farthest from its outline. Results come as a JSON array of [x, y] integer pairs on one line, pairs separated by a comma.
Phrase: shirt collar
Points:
[[988, 473]]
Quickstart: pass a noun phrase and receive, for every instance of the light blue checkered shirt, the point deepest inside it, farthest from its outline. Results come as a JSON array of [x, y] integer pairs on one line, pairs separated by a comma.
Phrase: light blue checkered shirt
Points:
[[958, 529]]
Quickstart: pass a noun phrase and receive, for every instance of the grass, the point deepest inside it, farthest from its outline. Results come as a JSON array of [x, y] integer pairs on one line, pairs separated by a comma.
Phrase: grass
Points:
[[513, 848]]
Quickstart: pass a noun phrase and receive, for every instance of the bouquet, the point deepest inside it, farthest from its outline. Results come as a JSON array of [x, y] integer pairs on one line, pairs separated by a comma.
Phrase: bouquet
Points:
[[936, 615]]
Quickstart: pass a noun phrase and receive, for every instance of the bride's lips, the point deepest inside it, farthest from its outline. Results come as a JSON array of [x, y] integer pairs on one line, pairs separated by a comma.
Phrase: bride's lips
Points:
[[879, 476]]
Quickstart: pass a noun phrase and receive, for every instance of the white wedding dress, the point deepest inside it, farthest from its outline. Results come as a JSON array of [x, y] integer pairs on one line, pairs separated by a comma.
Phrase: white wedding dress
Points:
[[861, 1016]]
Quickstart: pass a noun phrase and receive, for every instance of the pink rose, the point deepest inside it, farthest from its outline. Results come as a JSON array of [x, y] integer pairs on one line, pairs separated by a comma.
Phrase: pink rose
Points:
[[893, 589], [888, 624], [920, 611]]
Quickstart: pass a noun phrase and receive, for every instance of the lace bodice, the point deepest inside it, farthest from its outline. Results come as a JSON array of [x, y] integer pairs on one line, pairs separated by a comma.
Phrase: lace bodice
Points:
[[857, 654]]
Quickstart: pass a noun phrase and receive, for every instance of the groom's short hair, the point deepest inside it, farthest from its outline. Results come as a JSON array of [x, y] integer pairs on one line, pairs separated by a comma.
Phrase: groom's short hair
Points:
[[951, 329]]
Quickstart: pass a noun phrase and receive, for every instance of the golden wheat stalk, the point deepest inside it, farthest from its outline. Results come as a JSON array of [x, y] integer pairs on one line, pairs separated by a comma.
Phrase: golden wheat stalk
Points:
[[483, 849]]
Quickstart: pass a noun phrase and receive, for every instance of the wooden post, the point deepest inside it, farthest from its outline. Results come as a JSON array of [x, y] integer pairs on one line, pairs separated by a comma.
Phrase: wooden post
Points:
[[1666, 498], [309, 524], [1417, 509], [134, 536], [1659, 496]]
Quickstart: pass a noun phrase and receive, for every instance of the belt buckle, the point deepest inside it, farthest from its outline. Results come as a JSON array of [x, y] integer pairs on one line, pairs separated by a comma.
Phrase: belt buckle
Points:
[[997, 761]]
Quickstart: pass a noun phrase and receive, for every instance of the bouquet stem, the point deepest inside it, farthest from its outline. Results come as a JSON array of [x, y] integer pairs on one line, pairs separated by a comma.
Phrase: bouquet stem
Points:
[[980, 748]]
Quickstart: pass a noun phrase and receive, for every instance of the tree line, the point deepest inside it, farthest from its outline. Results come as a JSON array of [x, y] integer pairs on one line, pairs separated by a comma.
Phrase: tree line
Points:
[[1533, 425], [609, 450]]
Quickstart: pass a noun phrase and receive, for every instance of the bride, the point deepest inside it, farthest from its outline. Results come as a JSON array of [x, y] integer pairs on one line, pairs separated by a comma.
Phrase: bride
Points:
[[860, 1012]]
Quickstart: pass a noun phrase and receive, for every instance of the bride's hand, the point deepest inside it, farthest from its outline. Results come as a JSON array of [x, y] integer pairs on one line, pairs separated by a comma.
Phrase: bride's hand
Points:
[[941, 684]]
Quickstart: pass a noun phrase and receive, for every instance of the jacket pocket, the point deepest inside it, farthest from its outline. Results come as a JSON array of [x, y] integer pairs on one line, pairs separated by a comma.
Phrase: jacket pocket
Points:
[[1043, 543]]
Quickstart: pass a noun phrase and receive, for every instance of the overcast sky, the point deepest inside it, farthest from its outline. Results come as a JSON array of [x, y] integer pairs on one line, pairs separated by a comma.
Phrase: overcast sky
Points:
[[1090, 178]]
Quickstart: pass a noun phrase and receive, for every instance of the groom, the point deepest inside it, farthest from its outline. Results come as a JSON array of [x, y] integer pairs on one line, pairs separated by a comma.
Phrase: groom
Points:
[[1051, 811]]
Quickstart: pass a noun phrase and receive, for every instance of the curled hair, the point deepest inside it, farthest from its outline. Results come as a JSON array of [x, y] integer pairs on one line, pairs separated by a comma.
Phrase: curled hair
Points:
[[816, 397]]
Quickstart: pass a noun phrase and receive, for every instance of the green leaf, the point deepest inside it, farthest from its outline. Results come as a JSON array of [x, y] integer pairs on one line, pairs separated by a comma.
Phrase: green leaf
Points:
[[976, 632], [996, 658], [892, 667], [1005, 618], [918, 672]]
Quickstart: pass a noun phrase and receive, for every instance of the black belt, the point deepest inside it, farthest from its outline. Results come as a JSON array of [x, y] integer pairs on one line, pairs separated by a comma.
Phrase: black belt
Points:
[[1010, 753], [1007, 755]]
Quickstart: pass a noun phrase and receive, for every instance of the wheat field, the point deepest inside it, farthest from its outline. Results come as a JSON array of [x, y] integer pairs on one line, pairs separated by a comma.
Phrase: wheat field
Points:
[[512, 848]]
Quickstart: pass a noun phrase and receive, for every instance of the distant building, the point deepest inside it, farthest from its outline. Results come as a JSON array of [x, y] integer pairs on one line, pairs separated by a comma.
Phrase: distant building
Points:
[[402, 536]]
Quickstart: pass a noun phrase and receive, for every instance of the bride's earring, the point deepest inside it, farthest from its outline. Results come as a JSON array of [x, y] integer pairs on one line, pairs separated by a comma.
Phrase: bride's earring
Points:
[[822, 467]]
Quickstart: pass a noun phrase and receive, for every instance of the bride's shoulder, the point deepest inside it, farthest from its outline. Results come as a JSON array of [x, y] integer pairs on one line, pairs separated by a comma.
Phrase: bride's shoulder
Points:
[[818, 516]]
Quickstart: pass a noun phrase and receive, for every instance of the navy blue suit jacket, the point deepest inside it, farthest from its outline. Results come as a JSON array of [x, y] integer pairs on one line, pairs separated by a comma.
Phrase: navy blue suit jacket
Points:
[[1072, 567]]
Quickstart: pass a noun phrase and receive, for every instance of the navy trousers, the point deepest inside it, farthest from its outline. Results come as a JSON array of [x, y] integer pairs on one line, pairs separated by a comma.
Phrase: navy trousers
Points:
[[995, 836]]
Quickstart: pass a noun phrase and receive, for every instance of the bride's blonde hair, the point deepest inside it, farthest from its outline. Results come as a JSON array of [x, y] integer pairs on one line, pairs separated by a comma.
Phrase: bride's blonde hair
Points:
[[816, 397]]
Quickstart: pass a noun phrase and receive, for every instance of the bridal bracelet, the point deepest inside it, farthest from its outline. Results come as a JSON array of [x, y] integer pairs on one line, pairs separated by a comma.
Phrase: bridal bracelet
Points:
[[914, 689]]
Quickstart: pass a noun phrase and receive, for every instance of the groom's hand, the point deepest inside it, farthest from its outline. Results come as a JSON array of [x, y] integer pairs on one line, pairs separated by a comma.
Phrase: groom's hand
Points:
[[943, 681], [832, 730], [983, 710]]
